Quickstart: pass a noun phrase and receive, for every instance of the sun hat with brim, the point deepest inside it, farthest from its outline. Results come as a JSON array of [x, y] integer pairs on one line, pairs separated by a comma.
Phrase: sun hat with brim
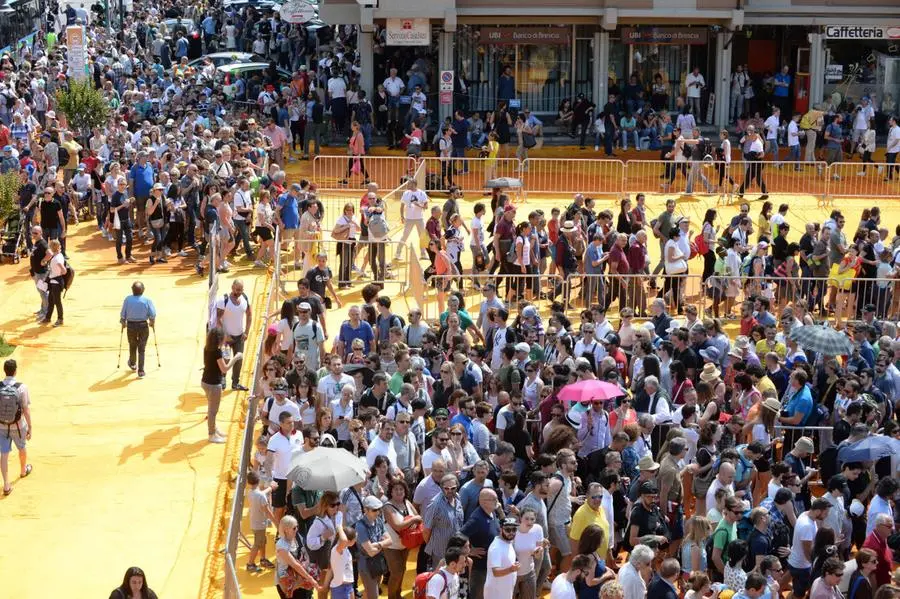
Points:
[[646, 463], [567, 227], [711, 354], [805, 444], [710, 372], [742, 342], [770, 403]]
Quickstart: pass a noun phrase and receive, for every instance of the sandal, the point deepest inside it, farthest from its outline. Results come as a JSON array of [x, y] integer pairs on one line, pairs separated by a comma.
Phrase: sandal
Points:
[[7, 491], [28, 469]]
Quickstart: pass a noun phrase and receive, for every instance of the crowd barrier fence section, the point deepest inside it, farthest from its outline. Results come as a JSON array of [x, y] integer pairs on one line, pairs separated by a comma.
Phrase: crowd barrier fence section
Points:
[[233, 534], [714, 298], [856, 180]]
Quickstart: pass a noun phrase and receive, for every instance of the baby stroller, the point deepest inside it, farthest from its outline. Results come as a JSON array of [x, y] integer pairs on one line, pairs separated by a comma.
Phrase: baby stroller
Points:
[[13, 238]]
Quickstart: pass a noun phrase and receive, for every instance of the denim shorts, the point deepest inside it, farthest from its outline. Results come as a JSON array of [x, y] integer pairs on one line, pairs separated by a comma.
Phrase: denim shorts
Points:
[[9, 435]]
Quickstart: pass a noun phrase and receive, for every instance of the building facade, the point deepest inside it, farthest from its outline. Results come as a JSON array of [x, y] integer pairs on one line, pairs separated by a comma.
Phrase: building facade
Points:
[[537, 54]]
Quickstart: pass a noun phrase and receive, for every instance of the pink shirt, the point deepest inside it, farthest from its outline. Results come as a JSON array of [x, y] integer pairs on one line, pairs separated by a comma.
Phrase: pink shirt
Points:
[[276, 135]]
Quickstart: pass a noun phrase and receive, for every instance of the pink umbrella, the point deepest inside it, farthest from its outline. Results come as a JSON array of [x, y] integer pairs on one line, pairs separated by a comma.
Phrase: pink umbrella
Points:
[[588, 391]]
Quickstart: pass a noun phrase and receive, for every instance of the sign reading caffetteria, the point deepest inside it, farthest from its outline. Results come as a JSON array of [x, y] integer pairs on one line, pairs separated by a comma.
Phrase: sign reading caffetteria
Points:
[[525, 35], [408, 32], [694, 36], [862, 32]]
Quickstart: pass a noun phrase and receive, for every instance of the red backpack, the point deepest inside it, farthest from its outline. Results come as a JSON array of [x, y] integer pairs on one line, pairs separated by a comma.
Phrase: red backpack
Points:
[[421, 584], [700, 242]]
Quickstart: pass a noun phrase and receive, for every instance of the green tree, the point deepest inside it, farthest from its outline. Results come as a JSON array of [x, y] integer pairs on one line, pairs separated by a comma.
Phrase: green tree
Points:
[[9, 195], [84, 106]]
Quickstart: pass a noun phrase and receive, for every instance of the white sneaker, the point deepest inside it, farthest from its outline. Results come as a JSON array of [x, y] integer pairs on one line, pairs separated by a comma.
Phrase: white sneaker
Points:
[[861, 174], [183, 254], [596, 148], [216, 438]]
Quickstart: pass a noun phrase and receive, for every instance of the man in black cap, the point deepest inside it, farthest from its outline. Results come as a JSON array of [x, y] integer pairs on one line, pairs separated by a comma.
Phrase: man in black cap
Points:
[[502, 563], [138, 315], [647, 525]]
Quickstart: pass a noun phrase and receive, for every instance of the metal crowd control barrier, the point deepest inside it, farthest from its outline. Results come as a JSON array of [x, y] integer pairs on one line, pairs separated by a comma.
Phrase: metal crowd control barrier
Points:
[[233, 534], [583, 175], [717, 298], [857, 180], [398, 270], [332, 173], [470, 174]]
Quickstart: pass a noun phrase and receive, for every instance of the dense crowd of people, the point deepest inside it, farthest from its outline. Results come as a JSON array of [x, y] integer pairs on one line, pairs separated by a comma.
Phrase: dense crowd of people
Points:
[[718, 466]]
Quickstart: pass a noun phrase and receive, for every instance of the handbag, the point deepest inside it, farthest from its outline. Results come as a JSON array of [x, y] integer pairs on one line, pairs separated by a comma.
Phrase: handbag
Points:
[[528, 140], [412, 536], [291, 581], [321, 556], [157, 223], [341, 233], [357, 166], [117, 222], [376, 565]]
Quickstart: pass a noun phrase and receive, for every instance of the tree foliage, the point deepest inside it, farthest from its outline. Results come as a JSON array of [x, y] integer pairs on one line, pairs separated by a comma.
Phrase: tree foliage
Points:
[[9, 195], [84, 106]]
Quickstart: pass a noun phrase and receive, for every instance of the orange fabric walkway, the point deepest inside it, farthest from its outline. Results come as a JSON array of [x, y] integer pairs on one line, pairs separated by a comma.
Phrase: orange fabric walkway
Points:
[[123, 473]]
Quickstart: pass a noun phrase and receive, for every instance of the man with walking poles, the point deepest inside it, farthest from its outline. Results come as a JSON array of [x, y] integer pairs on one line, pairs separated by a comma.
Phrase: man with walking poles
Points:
[[138, 316]]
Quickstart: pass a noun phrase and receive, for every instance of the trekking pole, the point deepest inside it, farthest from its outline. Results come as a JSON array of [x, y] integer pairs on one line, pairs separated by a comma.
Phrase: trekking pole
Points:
[[119, 359], [156, 345]]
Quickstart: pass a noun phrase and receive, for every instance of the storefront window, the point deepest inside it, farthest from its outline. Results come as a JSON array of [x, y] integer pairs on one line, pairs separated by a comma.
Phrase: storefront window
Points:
[[862, 68], [539, 59]]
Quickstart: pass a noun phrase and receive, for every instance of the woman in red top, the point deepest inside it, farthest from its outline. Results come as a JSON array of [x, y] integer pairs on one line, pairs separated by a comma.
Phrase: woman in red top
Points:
[[356, 149]]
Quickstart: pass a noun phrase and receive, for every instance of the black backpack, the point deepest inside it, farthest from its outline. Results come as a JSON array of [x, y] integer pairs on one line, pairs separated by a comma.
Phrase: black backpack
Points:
[[68, 278], [63, 156]]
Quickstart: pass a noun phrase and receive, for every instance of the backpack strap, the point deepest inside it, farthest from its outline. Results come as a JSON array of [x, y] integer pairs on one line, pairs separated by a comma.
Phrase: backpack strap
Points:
[[562, 487]]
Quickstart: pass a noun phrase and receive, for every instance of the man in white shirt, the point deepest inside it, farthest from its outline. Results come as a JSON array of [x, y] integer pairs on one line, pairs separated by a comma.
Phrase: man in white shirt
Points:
[[724, 480], [658, 406], [413, 205], [444, 584], [635, 572], [793, 140], [695, 84], [801, 556], [383, 445], [589, 346], [502, 564], [243, 214], [771, 126], [437, 451], [893, 147], [278, 460], [862, 116], [430, 486], [393, 86], [234, 315], [329, 387]]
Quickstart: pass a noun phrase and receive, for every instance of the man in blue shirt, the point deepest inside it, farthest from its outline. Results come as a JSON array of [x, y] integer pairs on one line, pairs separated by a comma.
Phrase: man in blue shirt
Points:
[[482, 527], [466, 408], [782, 90], [287, 215], [138, 315], [800, 405], [459, 136], [861, 337], [142, 178], [354, 328]]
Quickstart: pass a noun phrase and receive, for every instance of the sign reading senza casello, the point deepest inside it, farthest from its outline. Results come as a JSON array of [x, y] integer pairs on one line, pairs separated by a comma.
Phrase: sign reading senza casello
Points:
[[408, 32], [862, 32]]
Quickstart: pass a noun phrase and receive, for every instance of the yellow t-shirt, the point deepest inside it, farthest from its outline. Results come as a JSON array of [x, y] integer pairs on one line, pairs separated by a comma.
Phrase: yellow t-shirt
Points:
[[73, 147], [584, 517], [765, 384], [762, 348]]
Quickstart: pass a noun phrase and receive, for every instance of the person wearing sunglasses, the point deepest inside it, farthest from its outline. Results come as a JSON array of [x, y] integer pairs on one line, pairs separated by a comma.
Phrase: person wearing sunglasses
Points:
[[502, 562], [443, 518]]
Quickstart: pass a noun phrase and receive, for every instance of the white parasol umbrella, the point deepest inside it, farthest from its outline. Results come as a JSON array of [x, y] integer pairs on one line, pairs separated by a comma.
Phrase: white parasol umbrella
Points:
[[327, 469], [503, 183]]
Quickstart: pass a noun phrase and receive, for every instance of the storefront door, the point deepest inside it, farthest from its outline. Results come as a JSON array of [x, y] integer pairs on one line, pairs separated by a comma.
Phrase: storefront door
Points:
[[669, 60]]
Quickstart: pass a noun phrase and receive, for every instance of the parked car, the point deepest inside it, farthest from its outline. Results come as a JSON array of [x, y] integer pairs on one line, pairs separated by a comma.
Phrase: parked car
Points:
[[247, 70], [223, 58]]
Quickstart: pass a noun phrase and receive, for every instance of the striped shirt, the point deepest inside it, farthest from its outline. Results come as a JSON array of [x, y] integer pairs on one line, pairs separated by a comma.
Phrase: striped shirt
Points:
[[443, 520]]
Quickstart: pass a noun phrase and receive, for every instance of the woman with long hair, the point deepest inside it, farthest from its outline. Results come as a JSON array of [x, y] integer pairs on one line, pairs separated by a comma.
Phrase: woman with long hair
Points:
[[134, 586], [307, 398], [564, 348], [399, 514], [693, 548], [356, 150], [286, 318], [444, 387], [626, 218], [762, 222], [56, 277], [844, 284], [519, 437], [326, 530], [529, 545], [265, 229], [462, 453], [593, 543], [214, 368], [324, 424], [287, 565], [744, 394], [379, 477], [824, 546], [358, 444], [707, 452]]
